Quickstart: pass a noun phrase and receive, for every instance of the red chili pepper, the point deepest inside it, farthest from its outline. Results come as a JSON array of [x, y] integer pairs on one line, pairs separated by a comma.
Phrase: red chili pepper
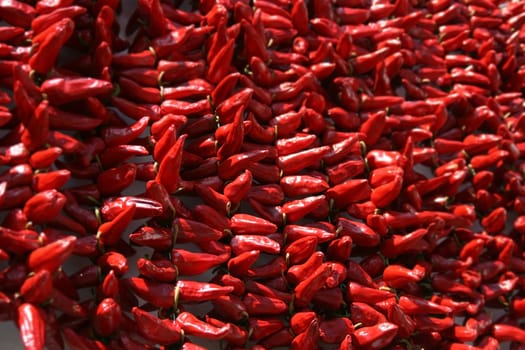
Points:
[[18, 175], [109, 233], [49, 44], [397, 276], [157, 238], [43, 21], [44, 158], [341, 195], [32, 326], [159, 270], [162, 331], [64, 90], [365, 314], [178, 71], [306, 289], [270, 194], [299, 142], [107, 317], [300, 250], [189, 263], [400, 244], [193, 326], [231, 307], [309, 338], [239, 187], [245, 243], [232, 166], [444, 284], [52, 255], [299, 185], [299, 208], [242, 224], [44, 206], [52, 180], [377, 336], [113, 261], [360, 233], [413, 305], [110, 286], [235, 336], [231, 144], [187, 230], [295, 162], [294, 232], [37, 129], [359, 293], [495, 290], [171, 162], [114, 136], [37, 288], [212, 217], [261, 305], [340, 249]]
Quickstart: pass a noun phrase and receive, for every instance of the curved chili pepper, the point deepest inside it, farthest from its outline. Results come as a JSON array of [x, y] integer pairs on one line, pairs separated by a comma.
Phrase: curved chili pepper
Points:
[[294, 232], [158, 270], [233, 165], [397, 276], [189, 263], [109, 233], [37, 288], [164, 331], [307, 288], [400, 244], [193, 326], [50, 45], [242, 224], [359, 293], [239, 187], [297, 209]]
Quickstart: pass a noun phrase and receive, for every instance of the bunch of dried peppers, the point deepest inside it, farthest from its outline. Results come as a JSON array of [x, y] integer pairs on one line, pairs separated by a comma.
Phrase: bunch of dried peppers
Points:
[[312, 174]]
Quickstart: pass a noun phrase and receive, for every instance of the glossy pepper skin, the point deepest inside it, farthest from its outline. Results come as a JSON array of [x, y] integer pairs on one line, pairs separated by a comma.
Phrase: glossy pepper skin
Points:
[[32, 326], [163, 331]]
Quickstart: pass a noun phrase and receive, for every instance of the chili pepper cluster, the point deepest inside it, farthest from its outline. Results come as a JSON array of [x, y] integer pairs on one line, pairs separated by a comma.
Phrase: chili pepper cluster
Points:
[[312, 174]]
